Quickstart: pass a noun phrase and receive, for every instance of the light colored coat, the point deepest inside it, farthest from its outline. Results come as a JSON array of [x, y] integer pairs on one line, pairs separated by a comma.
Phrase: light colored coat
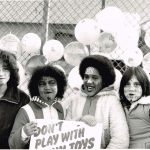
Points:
[[108, 111]]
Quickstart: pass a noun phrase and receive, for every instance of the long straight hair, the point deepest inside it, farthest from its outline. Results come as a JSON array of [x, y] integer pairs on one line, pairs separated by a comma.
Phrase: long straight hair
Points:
[[141, 77], [10, 61]]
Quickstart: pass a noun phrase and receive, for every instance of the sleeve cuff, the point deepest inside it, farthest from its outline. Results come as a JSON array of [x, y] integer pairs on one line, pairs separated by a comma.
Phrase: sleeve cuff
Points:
[[24, 137]]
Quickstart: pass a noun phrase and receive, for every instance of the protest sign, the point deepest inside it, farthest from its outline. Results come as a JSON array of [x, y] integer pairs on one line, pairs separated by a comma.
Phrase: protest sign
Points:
[[62, 134]]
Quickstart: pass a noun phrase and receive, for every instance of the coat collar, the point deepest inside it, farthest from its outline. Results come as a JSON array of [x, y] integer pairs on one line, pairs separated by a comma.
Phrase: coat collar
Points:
[[144, 101], [11, 95], [55, 104], [104, 92]]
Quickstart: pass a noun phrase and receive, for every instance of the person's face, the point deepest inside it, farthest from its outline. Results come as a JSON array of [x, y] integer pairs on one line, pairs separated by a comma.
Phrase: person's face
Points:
[[92, 81], [133, 90], [47, 87], [4, 74]]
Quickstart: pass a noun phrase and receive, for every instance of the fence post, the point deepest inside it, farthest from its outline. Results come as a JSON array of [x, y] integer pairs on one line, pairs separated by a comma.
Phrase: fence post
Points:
[[103, 4], [45, 23]]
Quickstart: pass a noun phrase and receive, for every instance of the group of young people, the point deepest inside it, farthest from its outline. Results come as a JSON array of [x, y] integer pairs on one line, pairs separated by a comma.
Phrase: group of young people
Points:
[[125, 115]]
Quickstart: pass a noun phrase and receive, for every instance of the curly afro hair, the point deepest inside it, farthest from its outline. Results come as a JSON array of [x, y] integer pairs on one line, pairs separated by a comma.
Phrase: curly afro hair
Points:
[[102, 64], [49, 71]]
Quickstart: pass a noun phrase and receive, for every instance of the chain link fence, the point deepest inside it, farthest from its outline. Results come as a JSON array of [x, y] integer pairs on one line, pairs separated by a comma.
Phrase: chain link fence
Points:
[[56, 19]]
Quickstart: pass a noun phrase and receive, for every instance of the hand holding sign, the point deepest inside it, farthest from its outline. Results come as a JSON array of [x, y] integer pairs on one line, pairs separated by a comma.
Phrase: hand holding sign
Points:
[[30, 128], [62, 134]]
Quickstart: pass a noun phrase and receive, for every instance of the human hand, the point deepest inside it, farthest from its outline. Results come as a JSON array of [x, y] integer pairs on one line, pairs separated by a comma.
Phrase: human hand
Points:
[[88, 119], [30, 128]]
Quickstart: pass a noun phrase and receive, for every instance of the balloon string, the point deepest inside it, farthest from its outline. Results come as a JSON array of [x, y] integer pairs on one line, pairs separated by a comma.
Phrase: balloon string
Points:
[[145, 22], [89, 49]]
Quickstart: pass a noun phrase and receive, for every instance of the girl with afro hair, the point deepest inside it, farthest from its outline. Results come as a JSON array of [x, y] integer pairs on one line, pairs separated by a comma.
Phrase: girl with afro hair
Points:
[[46, 87], [97, 102]]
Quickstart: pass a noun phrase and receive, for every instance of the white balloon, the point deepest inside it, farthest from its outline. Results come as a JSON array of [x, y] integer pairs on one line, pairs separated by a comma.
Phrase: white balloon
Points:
[[60, 68], [132, 57], [53, 50], [146, 26], [132, 27], [75, 52], [115, 54], [147, 73], [21, 70], [74, 79], [31, 43], [110, 19], [129, 32], [87, 31], [11, 43], [132, 20], [23, 84], [106, 42], [21, 73], [146, 62], [33, 62], [147, 38], [117, 80]]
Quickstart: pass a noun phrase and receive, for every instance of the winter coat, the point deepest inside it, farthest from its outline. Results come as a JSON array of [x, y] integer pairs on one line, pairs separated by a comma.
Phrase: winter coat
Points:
[[10, 103], [109, 112], [138, 118], [22, 118]]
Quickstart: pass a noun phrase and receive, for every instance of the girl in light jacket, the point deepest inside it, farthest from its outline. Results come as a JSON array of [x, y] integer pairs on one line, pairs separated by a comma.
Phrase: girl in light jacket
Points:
[[135, 98], [46, 86], [98, 102]]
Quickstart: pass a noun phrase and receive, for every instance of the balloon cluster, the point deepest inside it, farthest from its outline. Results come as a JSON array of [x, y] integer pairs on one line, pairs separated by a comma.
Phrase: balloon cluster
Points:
[[73, 53], [30, 43], [53, 50], [114, 34]]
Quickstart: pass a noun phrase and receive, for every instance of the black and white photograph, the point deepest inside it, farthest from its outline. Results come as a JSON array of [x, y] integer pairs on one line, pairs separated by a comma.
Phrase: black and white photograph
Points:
[[74, 74]]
